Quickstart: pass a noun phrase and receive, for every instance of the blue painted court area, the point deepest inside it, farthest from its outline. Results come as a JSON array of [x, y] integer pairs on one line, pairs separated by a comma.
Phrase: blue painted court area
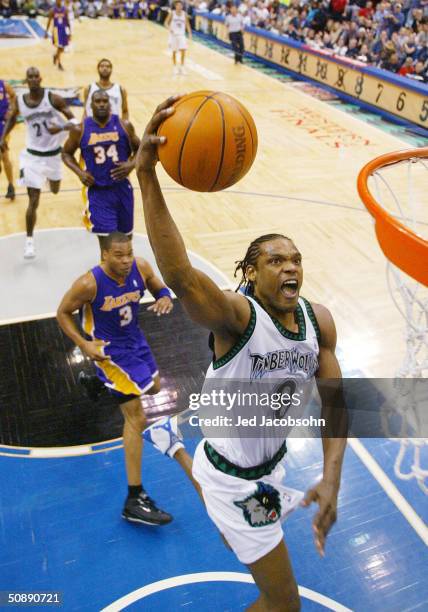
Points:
[[20, 28], [61, 530]]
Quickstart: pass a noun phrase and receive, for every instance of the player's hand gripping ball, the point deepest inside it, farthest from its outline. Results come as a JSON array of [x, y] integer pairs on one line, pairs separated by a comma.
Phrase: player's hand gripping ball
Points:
[[211, 141]]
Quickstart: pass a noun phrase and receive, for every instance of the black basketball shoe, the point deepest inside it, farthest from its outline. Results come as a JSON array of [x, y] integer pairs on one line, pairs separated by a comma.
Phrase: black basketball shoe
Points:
[[142, 509], [92, 385]]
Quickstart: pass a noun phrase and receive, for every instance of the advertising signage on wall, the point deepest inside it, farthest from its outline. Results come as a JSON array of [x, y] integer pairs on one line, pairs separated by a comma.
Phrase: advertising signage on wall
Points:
[[387, 92]]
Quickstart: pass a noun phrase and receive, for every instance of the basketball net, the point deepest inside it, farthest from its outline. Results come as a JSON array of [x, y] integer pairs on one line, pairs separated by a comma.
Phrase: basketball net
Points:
[[393, 188]]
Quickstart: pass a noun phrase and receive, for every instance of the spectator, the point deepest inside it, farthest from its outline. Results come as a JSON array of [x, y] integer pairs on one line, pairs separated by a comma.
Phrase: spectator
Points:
[[420, 73], [29, 8], [364, 55], [5, 9], [352, 51], [129, 9], [337, 9], [367, 11], [407, 67], [392, 63]]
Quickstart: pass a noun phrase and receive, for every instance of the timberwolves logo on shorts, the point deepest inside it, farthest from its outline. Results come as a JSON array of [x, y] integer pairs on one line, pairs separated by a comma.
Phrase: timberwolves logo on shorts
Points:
[[262, 507]]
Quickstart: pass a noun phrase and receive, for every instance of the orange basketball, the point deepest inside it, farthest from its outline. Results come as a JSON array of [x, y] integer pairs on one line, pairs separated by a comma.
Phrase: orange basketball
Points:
[[211, 141]]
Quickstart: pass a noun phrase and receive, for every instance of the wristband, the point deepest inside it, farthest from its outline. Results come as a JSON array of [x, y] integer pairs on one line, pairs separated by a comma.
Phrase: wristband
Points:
[[164, 292], [70, 122]]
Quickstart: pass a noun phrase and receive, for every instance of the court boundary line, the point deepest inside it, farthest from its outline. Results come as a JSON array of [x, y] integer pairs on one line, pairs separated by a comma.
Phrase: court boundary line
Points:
[[196, 578], [390, 488], [31, 30], [225, 286], [226, 191], [275, 196]]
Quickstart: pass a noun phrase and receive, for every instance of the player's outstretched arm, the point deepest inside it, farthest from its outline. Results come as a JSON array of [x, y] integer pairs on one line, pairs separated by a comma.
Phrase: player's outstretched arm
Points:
[[10, 123], [69, 149], [329, 379], [188, 27], [125, 110], [50, 18], [82, 292], [158, 289], [227, 313], [61, 106], [85, 99], [10, 94]]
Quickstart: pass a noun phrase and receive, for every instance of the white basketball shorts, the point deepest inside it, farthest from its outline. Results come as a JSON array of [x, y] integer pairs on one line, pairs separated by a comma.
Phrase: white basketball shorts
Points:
[[35, 170], [247, 512], [177, 43]]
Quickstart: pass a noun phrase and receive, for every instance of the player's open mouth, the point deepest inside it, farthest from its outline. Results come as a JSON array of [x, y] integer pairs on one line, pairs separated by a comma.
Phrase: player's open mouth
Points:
[[290, 288]]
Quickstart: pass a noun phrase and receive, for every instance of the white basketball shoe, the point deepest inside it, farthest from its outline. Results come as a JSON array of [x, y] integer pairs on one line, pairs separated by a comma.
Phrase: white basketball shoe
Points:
[[164, 436]]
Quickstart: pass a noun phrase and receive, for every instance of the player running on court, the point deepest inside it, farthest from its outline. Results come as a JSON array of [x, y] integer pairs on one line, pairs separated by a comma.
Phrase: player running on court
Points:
[[239, 478], [41, 160], [107, 144], [61, 33], [7, 100], [108, 299], [178, 24], [116, 93]]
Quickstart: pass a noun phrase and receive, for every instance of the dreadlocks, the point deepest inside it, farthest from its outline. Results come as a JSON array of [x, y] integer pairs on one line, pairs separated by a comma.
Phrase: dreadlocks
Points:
[[250, 259]]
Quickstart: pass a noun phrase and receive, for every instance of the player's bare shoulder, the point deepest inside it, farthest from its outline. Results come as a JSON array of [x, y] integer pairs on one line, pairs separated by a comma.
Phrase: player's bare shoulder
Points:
[[326, 325], [144, 267], [240, 304], [57, 101], [85, 287]]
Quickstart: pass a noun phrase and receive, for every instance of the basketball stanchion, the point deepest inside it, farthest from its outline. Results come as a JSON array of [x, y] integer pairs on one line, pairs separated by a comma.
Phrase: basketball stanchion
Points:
[[393, 188]]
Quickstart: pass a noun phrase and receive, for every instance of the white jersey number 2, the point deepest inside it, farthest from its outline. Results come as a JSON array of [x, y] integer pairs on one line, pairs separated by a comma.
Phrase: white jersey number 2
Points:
[[125, 314], [38, 128]]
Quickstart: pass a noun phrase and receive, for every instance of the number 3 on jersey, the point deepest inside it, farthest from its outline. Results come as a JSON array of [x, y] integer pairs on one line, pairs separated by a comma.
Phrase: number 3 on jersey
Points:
[[125, 314], [101, 154]]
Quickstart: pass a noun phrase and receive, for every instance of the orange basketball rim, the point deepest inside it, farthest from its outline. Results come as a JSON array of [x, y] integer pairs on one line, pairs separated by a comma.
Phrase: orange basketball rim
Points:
[[403, 247]]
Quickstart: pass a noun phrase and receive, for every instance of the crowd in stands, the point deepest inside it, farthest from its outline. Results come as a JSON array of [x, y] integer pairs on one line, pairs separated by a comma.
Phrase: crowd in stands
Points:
[[115, 9], [389, 35]]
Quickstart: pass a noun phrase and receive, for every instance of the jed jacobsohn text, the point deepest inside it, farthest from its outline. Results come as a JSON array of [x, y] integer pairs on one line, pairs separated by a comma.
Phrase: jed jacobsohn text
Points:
[[255, 421], [228, 401]]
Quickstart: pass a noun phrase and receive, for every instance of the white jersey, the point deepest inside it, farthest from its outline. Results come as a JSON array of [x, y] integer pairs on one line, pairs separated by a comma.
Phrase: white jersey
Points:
[[115, 95], [70, 15], [177, 26], [268, 359], [37, 120]]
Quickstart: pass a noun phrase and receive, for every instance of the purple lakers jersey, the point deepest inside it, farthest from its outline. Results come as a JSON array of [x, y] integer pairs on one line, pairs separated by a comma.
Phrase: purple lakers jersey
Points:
[[60, 18], [103, 147], [4, 102], [113, 315]]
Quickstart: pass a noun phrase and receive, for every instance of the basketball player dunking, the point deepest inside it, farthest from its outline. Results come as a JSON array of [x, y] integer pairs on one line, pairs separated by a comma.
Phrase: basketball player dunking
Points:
[[7, 101], [239, 478], [61, 30], [116, 93], [108, 299], [41, 160], [107, 144], [178, 24]]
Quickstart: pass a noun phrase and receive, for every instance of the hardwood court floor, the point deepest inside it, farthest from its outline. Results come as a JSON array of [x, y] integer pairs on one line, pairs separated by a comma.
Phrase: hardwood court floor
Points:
[[302, 183]]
